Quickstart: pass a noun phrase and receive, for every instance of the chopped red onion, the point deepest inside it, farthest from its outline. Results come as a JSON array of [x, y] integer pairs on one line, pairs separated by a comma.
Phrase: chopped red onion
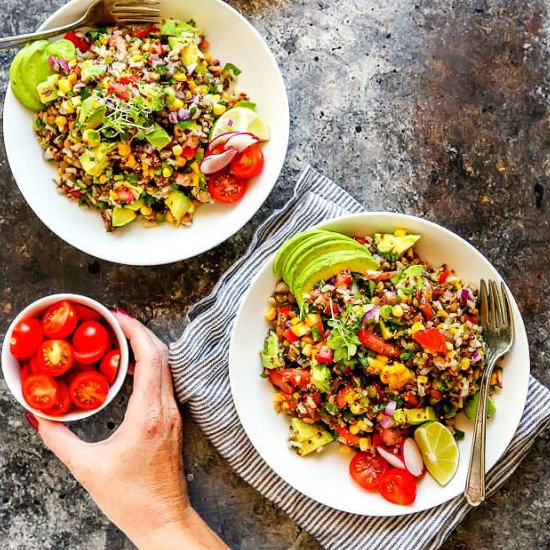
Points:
[[183, 114], [230, 123], [64, 65], [53, 63], [387, 422], [371, 315], [466, 295], [390, 408], [180, 94], [173, 117], [476, 356]]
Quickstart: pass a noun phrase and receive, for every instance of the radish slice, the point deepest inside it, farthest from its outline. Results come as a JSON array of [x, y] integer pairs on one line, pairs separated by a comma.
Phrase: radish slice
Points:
[[394, 460], [214, 163], [220, 139], [412, 457], [241, 141]]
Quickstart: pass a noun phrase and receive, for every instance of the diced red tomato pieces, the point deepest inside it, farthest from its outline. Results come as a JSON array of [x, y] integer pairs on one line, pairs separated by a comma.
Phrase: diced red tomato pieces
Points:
[[427, 310], [290, 379], [81, 43], [290, 336], [343, 279], [374, 342], [119, 90], [324, 355], [349, 438], [391, 437], [444, 276], [144, 32], [431, 339]]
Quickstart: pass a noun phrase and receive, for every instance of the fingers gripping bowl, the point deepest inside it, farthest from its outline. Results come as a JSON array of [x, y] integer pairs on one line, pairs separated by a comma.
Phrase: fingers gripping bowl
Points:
[[62, 360], [269, 431]]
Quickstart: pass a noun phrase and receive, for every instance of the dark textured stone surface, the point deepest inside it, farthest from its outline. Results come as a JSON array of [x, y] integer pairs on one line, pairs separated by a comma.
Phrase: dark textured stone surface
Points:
[[437, 108]]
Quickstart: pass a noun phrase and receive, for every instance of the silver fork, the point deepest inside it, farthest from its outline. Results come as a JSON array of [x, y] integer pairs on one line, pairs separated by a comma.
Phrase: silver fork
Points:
[[101, 13], [498, 332]]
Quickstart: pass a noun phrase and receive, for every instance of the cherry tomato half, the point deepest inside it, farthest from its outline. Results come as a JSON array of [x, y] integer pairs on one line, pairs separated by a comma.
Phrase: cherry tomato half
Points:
[[55, 357], [40, 391], [249, 163], [225, 187], [109, 365], [89, 390], [60, 320], [25, 338], [398, 486], [90, 342], [86, 314], [367, 469], [62, 401]]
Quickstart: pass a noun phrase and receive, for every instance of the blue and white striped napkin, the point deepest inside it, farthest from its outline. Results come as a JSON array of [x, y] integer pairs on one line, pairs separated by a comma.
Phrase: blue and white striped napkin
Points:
[[199, 362]]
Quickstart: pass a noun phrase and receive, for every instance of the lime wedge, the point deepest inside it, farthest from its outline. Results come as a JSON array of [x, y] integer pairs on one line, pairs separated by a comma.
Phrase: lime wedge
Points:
[[241, 119], [439, 450]]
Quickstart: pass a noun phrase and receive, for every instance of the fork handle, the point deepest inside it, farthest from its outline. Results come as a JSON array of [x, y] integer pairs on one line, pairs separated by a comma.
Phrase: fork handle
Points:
[[475, 483], [19, 40]]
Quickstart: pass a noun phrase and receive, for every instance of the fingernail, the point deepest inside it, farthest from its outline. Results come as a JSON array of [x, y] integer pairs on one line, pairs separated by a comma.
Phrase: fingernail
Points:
[[123, 312], [31, 419]]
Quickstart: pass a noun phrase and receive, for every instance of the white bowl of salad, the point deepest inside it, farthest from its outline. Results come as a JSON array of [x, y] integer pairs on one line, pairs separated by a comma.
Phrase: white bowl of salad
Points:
[[355, 363], [147, 144]]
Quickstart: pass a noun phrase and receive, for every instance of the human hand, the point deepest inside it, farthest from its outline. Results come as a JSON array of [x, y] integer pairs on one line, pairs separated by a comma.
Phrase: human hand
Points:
[[136, 475]]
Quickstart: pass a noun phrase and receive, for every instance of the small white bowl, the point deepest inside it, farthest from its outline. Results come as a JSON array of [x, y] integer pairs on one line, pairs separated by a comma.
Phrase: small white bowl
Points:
[[12, 370]]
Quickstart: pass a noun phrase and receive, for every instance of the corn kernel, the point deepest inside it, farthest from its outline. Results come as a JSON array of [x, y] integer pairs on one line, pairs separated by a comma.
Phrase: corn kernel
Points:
[[353, 430], [307, 349], [270, 314], [131, 161], [375, 300], [301, 329], [169, 217], [124, 149], [345, 449], [181, 77], [442, 313], [417, 327], [181, 161], [277, 398], [364, 443], [177, 150], [307, 340], [453, 330], [194, 180], [176, 104], [286, 405], [422, 379], [60, 121], [465, 363], [397, 311], [449, 345], [312, 319], [295, 321], [383, 359], [208, 56], [103, 179], [400, 232], [361, 425], [72, 78], [64, 85], [166, 172], [137, 58], [146, 210], [195, 167], [178, 131], [219, 109]]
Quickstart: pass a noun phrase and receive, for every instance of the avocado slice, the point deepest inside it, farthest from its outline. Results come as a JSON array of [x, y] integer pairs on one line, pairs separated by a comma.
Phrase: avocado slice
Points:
[[320, 376], [91, 71], [328, 265], [135, 206], [179, 204], [94, 161], [191, 55], [122, 216], [158, 137], [154, 94], [287, 248], [306, 438], [396, 244], [413, 272], [414, 416], [92, 112], [63, 49], [47, 90], [271, 353], [385, 331], [472, 404], [175, 27]]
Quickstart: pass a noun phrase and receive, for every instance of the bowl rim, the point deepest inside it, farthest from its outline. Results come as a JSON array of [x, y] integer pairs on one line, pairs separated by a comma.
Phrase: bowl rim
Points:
[[236, 226], [399, 220], [39, 306]]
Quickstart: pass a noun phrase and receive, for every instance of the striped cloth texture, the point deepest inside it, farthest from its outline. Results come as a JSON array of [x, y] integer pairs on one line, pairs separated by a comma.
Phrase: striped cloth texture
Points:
[[199, 361]]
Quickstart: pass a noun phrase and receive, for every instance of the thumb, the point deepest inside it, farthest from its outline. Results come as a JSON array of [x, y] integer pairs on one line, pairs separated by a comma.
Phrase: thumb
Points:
[[68, 447]]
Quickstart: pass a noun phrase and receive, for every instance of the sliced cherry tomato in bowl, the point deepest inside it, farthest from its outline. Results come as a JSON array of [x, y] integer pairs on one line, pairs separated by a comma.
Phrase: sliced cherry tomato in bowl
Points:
[[85, 313], [40, 391], [109, 365], [55, 357], [90, 342], [89, 390], [367, 469], [62, 403], [225, 187], [290, 379], [398, 486], [25, 338], [60, 320], [249, 163]]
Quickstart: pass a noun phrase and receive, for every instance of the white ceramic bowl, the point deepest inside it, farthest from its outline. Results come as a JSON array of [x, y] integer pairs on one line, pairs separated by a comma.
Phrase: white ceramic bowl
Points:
[[12, 371], [232, 39], [325, 477]]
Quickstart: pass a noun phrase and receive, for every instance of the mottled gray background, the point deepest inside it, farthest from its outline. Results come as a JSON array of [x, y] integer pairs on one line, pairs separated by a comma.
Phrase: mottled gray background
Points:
[[437, 108]]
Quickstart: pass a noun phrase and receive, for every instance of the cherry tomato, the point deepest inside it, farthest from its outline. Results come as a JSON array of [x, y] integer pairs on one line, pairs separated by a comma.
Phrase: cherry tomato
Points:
[[60, 320], [249, 163], [398, 486], [62, 401], [40, 391], [55, 357], [432, 339], [25, 338], [324, 355], [372, 341], [89, 390], [344, 279], [25, 373], [367, 469], [189, 153], [109, 365], [225, 187], [82, 44], [76, 369], [290, 379], [34, 368], [86, 314], [90, 342]]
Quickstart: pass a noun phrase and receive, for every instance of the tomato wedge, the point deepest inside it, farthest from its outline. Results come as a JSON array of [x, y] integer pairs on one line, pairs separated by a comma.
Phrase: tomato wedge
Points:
[[90, 342], [62, 403], [431, 339], [60, 320], [25, 338], [40, 391], [367, 470], [372, 341], [249, 163], [86, 314], [109, 365], [290, 379], [55, 357], [398, 486], [225, 187], [89, 390]]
